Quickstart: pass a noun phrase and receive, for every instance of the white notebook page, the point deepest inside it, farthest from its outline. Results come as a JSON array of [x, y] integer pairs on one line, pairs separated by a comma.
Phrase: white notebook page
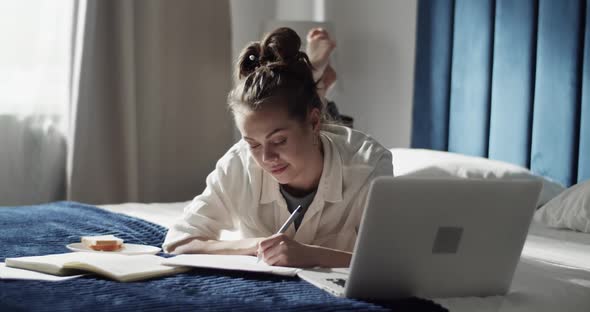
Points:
[[229, 262], [123, 267], [12, 273]]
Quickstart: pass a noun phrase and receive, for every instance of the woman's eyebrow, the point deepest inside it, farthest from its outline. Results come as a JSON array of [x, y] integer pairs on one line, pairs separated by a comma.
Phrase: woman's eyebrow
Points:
[[275, 131], [268, 135]]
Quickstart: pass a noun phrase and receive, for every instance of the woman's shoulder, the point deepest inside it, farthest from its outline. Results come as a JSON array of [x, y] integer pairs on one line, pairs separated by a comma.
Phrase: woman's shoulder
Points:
[[355, 147]]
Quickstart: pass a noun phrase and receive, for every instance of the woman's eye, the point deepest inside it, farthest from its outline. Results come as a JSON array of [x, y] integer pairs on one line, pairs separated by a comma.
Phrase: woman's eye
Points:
[[279, 142], [253, 146]]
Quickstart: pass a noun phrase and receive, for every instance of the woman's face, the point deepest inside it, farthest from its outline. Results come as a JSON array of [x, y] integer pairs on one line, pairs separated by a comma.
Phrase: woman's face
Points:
[[281, 145]]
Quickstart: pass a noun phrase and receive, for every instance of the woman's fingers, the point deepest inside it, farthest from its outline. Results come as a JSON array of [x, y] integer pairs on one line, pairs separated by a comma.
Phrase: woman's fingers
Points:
[[273, 254], [279, 259], [268, 243], [273, 240], [274, 248]]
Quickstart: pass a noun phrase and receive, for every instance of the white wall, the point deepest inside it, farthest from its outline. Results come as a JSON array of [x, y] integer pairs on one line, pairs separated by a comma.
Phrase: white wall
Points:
[[374, 58], [376, 44], [299, 10], [248, 17]]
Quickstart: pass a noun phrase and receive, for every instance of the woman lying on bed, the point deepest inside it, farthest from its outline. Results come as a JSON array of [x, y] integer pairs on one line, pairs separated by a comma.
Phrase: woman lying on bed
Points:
[[288, 156]]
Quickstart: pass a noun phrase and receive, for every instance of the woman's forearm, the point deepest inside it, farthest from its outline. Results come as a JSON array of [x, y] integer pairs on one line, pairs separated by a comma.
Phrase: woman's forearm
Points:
[[317, 255], [247, 246], [331, 258]]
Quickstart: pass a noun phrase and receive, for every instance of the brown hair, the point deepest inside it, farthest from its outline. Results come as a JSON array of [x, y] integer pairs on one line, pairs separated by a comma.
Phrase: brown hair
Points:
[[275, 72]]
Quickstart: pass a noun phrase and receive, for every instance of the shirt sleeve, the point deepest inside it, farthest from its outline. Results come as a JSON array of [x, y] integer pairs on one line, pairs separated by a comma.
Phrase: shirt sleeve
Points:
[[383, 168], [213, 210]]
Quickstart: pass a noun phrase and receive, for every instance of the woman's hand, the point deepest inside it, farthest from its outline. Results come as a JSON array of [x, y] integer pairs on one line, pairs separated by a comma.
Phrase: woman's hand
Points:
[[281, 250]]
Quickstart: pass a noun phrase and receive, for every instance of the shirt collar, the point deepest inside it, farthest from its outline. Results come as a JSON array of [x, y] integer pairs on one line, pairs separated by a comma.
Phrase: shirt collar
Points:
[[330, 186]]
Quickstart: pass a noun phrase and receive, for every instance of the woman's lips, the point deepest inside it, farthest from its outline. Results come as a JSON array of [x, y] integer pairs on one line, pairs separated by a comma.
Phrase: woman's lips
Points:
[[278, 170]]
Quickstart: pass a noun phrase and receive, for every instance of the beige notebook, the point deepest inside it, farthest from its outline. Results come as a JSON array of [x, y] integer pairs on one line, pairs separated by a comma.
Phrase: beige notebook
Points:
[[123, 268], [227, 262]]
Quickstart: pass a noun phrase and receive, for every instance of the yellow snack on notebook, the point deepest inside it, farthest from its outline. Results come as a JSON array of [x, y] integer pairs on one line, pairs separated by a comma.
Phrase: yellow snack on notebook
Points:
[[103, 242]]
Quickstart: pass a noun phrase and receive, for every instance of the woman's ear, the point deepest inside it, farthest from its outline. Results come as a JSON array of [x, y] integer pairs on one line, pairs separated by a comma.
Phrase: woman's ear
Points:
[[315, 119]]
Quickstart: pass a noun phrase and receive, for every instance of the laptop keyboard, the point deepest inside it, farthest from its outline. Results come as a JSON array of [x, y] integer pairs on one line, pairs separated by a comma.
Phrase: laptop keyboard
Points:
[[338, 281]]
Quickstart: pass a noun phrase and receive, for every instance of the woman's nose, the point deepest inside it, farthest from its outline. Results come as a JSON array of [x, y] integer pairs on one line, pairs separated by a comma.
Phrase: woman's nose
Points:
[[269, 155]]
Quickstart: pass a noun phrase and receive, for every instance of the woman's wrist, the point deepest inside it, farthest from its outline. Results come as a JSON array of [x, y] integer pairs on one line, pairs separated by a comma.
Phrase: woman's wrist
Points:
[[247, 246], [329, 258]]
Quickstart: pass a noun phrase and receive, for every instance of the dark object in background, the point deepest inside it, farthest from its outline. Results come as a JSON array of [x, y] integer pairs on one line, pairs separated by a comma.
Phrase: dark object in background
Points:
[[334, 115]]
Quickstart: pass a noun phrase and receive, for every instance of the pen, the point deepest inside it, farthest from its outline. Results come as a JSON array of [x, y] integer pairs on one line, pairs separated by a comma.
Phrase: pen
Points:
[[287, 223]]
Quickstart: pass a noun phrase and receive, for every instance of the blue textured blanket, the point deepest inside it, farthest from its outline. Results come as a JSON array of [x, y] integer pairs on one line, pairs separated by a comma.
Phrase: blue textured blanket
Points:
[[46, 229]]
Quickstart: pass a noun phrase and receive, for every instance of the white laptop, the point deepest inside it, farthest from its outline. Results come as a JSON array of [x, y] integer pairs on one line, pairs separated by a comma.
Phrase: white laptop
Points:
[[435, 238]]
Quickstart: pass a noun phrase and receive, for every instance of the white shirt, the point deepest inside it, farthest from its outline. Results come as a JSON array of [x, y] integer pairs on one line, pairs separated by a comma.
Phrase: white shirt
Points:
[[242, 196]]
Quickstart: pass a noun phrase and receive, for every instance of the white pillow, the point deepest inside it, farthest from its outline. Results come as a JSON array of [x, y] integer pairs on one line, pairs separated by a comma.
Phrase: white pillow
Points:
[[429, 163], [571, 209]]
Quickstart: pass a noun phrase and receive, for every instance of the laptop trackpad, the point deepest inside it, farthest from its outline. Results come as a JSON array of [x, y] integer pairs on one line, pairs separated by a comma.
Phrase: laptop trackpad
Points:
[[333, 280]]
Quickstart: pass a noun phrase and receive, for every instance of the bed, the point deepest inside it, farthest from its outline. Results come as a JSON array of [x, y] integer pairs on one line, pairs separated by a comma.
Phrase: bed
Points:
[[552, 275]]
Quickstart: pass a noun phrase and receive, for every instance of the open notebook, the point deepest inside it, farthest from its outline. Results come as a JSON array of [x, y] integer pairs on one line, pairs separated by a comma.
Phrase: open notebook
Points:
[[123, 268], [226, 262]]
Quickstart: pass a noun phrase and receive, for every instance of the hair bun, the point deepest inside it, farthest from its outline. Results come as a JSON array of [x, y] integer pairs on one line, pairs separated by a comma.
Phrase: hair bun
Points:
[[249, 60], [281, 45], [275, 72]]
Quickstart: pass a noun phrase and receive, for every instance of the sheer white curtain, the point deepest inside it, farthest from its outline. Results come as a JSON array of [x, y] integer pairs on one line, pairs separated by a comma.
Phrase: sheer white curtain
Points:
[[35, 38], [131, 95], [35, 56]]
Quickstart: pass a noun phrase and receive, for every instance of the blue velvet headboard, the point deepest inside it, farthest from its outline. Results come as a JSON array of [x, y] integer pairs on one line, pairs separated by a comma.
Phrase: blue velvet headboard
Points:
[[508, 80]]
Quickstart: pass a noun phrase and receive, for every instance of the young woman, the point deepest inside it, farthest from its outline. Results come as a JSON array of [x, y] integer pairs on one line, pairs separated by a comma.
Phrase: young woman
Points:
[[287, 157]]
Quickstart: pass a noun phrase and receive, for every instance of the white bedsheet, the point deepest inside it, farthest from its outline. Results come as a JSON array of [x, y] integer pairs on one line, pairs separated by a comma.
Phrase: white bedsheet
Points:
[[552, 275], [163, 214], [558, 246]]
